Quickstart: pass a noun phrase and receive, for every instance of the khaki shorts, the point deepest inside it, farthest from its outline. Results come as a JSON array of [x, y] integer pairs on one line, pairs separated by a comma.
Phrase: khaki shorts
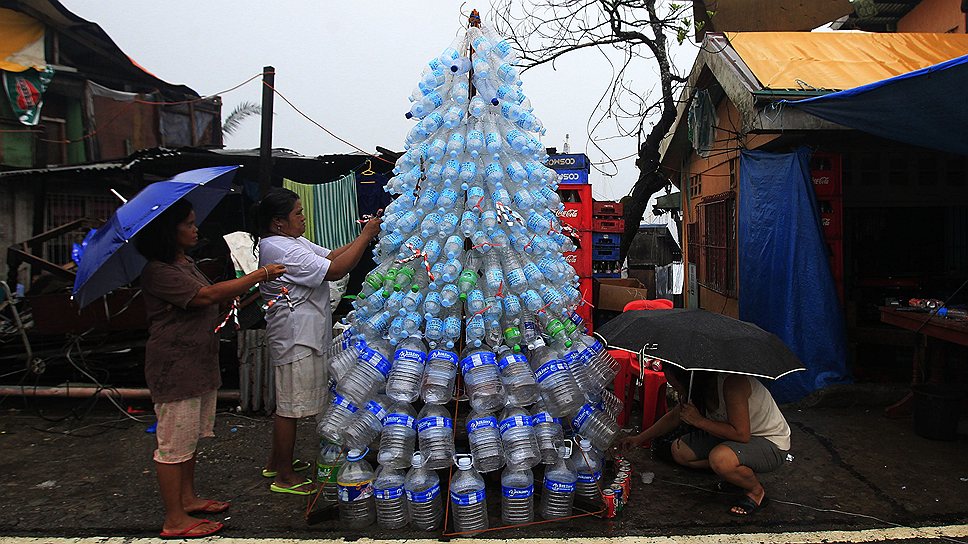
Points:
[[302, 386], [180, 424], [759, 454]]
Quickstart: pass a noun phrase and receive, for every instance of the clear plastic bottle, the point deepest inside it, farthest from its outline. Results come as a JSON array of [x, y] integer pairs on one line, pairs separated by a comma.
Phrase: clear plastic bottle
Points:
[[328, 464], [367, 376], [336, 417], [361, 430], [398, 437], [423, 495], [517, 496], [596, 425], [468, 498], [486, 445], [357, 507], [392, 511], [549, 433], [435, 433], [439, 376], [403, 381], [482, 380], [558, 495], [588, 465], [558, 388], [520, 443], [518, 378]]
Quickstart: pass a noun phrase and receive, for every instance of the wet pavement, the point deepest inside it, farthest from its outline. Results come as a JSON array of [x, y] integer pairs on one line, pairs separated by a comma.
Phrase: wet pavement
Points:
[[852, 469]]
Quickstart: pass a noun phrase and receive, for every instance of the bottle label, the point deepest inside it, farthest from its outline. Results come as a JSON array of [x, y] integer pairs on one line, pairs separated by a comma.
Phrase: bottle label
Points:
[[516, 421], [549, 368], [517, 492], [481, 423], [445, 355], [354, 491], [589, 477], [544, 417], [434, 421], [339, 400], [512, 358], [583, 415], [399, 419], [466, 499], [388, 494], [376, 360], [374, 408], [326, 473], [587, 355], [559, 487], [475, 360], [410, 355], [424, 496]]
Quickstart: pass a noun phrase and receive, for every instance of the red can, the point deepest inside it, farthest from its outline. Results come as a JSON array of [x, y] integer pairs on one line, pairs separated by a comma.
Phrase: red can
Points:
[[608, 496], [624, 478], [617, 492]]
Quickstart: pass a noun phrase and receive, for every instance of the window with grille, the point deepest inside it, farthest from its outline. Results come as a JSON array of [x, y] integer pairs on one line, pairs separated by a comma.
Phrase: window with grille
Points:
[[718, 243], [64, 208]]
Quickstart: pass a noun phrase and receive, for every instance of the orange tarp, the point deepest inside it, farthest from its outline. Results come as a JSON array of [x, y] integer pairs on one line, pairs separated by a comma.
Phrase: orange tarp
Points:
[[840, 60], [21, 42]]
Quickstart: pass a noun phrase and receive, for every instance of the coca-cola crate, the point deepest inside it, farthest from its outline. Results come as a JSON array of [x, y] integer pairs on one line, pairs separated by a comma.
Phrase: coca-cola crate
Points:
[[578, 206], [827, 174], [581, 259], [608, 225], [831, 217], [605, 253], [584, 308], [835, 252], [606, 239], [607, 208]]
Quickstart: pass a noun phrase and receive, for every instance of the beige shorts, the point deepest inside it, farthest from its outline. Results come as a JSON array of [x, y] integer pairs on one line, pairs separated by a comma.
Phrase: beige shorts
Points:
[[302, 386], [180, 424]]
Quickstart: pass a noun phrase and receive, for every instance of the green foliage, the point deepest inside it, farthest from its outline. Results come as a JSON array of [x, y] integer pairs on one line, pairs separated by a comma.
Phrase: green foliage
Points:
[[241, 112]]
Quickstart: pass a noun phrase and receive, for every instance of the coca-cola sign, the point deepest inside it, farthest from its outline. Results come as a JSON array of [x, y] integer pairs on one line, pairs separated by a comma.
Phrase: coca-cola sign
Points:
[[571, 258], [822, 180], [570, 213]]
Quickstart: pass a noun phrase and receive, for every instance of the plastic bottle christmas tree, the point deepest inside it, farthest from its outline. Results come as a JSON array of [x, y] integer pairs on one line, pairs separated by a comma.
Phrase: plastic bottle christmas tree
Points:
[[471, 276]]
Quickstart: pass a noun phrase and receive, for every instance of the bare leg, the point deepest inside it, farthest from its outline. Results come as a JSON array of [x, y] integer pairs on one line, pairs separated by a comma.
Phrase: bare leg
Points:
[[684, 455], [724, 462], [170, 481], [189, 500], [283, 444]]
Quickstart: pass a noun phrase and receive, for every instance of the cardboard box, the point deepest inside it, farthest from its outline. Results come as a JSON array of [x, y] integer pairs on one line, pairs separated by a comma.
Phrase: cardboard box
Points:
[[614, 294]]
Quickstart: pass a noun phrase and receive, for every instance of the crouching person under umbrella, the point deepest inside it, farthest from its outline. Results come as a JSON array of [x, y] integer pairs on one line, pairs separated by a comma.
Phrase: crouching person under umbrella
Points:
[[738, 431]]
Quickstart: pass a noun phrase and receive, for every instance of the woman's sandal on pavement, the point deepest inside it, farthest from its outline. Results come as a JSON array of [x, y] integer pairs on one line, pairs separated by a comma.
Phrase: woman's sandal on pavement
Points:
[[297, 466], [293, 489], [187, 532], [748, 505]]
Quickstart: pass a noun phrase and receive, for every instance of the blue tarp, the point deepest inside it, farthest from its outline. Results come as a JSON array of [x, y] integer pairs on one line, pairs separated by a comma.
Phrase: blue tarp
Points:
[[925, 107], [786, 286]]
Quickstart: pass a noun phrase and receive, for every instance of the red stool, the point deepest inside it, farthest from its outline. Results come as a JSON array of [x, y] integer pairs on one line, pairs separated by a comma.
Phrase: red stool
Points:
[[653, 399]]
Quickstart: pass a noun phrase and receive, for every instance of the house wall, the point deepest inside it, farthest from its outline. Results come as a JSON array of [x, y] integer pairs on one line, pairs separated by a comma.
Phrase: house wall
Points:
[[16, 220], [934, 16]]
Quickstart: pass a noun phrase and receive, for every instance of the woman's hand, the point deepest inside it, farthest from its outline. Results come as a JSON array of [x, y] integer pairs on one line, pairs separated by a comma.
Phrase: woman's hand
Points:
[[630, 443], [372, 227], [273, 271], [689, 414]]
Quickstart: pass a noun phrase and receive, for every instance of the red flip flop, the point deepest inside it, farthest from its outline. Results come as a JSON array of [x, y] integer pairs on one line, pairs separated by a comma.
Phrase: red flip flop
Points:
[[211, 507], [187, 532]]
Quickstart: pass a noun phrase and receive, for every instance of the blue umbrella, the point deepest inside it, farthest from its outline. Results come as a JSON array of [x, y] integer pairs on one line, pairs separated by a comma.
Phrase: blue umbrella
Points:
[[110, 259]]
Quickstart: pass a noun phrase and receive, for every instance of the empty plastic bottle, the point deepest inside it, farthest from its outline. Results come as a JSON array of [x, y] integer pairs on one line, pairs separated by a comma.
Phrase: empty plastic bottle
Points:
[[367, 376], [517, 496], [558, 495], [435, 433], [357, 507], [596, 425], [439, 376], [361, 430], [423, 495], [404, 380], [392, 511], [519, 382], [548, 431], [556, 383], [399, 436], [482, 379], [328, 463], [588, 465], [484, 437], [468, 497], [335, 418], [520, 442]]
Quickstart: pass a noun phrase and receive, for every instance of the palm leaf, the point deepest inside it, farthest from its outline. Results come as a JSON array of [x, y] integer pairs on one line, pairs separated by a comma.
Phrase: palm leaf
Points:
[[242, 111]]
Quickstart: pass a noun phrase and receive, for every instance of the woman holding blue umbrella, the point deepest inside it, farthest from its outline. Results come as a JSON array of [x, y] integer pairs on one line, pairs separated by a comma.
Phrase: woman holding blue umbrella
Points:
[[181, 359]]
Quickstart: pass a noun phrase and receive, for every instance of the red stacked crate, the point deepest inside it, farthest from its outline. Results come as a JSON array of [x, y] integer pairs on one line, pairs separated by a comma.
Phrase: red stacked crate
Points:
[[826, 172], [576, 195], [607, 229]]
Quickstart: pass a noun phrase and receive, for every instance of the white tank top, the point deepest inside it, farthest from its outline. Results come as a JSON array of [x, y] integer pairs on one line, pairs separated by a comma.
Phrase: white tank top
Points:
[[766, 420]]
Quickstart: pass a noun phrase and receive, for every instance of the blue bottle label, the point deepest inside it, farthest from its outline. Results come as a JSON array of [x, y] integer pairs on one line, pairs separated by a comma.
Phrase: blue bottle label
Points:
[[517, 492], [376, 360], [516, 421], [354, 491], [559, 487], [589, 477], [424, 496], [467, 499], [374, 408], [512, 358], [549, 368], [399, 419], [544, 417], [441, 354], [583, 415], [434, 421], [410, 355], [475, 360], [481, 423], [388, 494], [339, 400]]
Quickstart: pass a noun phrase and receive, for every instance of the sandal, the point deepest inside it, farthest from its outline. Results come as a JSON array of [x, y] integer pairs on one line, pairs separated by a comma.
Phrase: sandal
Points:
[[211, 507], [187, 532], [293, 489], [297, 466], [748, 505]]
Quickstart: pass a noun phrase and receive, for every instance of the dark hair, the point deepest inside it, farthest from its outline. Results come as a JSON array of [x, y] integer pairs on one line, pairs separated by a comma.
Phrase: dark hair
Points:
[[278, 203], [156, 241]]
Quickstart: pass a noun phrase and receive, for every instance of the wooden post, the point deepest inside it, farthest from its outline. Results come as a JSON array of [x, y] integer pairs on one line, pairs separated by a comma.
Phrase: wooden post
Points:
[[265, 145]]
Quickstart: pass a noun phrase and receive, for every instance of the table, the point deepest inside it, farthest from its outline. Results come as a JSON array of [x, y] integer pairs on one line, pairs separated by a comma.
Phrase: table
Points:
[[925, 326]]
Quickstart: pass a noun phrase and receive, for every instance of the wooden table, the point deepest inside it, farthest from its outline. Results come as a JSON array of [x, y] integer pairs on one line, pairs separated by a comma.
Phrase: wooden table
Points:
[[925, 326]]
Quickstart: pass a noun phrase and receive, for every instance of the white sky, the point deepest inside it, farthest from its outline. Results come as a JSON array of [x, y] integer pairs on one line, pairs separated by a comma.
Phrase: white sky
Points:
[[348, 65]]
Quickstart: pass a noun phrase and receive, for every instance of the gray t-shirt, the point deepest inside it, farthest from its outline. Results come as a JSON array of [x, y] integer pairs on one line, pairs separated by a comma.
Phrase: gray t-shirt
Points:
[[309, 326]]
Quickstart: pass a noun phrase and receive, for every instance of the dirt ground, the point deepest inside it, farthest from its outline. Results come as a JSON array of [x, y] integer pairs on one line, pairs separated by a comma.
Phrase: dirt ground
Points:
[[852, 468]]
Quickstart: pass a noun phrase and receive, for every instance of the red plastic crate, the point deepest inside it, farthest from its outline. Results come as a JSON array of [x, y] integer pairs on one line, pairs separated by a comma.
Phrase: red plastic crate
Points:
[[831, 217], [835, 252], [607, 208], [578, 206], [581, 259], [827, 174], [608, 225], [585, 310]]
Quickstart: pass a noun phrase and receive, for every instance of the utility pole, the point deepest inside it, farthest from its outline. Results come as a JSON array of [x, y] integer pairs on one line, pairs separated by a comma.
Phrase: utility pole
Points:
[[265, 146]]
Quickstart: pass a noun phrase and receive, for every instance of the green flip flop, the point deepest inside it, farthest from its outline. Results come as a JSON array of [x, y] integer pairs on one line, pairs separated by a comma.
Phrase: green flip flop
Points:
[[297, 465], [293, 489]]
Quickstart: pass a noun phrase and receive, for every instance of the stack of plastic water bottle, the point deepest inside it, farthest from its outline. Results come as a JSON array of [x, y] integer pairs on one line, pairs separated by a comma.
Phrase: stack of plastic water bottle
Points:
[[471, 282]]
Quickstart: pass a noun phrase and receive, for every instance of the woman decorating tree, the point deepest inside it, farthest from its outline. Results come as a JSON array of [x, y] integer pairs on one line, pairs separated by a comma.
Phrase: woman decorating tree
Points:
[[181, 360], [299, 324]]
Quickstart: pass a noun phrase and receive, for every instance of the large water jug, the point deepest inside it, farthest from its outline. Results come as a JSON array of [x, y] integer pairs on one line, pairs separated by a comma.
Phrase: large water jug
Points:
[[558, 495], [588, 464], [435, 433], [517, 496], [520, 443], [423, 495], [391, 500], [482, 380], [404, 380], [468, 498], [484, 436], [398, 437], [357, 508]]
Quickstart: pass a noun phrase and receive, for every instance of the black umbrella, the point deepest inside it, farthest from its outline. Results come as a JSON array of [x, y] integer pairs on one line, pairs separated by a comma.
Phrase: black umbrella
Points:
[[700, 340]]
